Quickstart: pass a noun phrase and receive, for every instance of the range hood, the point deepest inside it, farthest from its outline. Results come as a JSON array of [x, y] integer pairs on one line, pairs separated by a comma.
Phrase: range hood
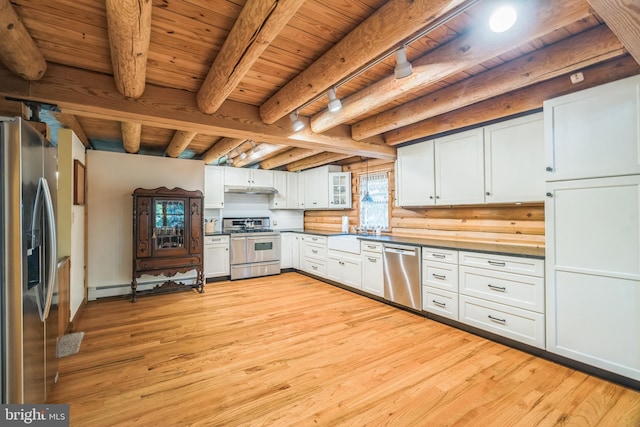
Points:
[[242, 189]]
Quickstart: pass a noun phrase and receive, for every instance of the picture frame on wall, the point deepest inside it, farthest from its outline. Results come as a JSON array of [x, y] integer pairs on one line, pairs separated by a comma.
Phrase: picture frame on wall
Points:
[[79, 184]]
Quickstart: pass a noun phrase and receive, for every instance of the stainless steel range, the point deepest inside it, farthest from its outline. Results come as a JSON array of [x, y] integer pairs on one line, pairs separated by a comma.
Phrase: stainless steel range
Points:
[[254, 249]]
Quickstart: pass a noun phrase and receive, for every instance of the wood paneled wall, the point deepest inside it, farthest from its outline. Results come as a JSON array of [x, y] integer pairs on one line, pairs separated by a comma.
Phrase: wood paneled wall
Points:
[[505, 224]]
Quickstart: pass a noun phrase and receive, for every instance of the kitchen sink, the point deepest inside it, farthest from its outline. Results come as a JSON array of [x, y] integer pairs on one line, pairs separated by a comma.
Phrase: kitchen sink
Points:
[[345, 243]]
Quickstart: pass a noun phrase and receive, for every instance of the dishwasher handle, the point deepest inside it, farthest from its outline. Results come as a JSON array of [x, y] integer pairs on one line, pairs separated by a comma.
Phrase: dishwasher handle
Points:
[[401, 250]]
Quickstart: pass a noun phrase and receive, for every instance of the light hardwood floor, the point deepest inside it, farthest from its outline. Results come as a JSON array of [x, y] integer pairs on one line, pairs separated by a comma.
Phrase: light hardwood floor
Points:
[[290, 350]]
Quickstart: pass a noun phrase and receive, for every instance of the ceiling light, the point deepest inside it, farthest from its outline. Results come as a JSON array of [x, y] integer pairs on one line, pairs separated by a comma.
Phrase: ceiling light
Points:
[[502, 19], [296, 123], [334, 103], [403, 67]]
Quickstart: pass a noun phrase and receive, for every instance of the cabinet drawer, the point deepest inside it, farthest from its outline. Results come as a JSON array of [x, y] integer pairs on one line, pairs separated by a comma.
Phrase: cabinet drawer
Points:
[[315, 251], [437, 301], [440, 275], [371, 247], [514, 289], [160, 263], [514, 323], [440, 255], [216, 240], [321, 240], [315, 266], [509, 264]]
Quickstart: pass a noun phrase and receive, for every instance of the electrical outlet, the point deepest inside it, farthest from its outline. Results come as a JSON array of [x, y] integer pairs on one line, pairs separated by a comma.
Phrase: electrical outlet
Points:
[[577, 78], [275, 222]]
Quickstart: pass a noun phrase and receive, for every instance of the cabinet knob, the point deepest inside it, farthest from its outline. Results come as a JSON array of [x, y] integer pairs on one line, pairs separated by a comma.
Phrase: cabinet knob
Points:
[[487, 193], [431, 197], [549, 169], [437, 197], [549, 195]]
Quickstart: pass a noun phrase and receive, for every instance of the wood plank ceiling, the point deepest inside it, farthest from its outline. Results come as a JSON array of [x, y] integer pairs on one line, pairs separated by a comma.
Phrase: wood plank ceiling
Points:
[[218, 80]]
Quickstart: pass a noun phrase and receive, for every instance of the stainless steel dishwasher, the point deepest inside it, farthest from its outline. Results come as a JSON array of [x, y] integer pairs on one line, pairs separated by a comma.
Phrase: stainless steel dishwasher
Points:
[[402, 275]]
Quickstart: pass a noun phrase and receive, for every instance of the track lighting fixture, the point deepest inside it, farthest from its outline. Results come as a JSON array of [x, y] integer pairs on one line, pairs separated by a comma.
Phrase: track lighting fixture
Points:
[[296, 123], [242, 156], [334, 103], [403, 67]]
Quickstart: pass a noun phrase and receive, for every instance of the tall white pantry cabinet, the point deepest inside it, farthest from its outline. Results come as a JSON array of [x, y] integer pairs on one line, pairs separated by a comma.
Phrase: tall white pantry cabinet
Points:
[[592, 214]]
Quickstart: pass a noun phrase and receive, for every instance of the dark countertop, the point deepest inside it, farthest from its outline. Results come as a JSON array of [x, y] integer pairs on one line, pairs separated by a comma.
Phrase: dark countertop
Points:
[[489, 248]]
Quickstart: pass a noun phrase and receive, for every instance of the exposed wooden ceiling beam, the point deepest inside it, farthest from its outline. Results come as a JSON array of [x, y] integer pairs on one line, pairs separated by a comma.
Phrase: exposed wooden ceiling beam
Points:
[[129, 25], [91, 94], [544, 64], [179, 142], [288, 156], [623, 18], [456, 56], [516, 102], [315, 161], [221, 148], [18, 51], [70, 121], [391, 24], [259, 22], [131, 136]]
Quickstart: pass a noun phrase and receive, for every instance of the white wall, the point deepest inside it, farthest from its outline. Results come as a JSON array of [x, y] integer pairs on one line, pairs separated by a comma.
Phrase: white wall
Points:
[[255, 205], [111, 178]]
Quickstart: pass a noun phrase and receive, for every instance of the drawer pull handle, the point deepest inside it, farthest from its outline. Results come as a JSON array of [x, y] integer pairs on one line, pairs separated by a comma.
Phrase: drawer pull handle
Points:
[[371, 246], [497, 288], [438, 303], [315, 267], [439, 276], [314, 251], [372, 259], [497, 263], [495, 319], [441, 256]]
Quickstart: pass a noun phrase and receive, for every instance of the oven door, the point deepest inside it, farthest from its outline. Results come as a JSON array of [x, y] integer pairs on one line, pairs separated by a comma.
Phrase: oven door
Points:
[[263, 248], [238, 250]]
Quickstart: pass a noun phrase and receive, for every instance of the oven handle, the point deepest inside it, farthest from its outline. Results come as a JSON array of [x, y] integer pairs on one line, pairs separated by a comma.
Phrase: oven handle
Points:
[[264, 238]]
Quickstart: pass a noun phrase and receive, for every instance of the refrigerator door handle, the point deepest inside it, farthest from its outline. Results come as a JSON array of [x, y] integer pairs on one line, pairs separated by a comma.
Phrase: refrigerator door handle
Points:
[[52, 256]]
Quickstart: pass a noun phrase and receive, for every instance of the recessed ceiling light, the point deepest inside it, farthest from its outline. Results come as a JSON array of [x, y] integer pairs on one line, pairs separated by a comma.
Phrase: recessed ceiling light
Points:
[[502, 19]]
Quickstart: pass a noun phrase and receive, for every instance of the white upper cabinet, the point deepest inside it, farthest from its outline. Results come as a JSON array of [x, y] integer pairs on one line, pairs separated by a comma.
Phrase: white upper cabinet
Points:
[[316, 187], [293, 193], [415, 175], [514, 160], [213, 187], [594, 133], [279, 200], [248, 177], [459, 166], [340, 190]]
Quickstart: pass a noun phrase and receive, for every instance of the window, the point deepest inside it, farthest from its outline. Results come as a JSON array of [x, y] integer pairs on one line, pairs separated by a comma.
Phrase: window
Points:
[[374, 208]]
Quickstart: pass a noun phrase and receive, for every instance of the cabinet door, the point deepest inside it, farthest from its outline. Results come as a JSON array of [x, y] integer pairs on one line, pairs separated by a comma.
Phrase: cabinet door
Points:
[[261, 178], [316, 189], [295, 251], [340, 190], [415, 175], [286, 249], [216, 260], [352, 272], [279, 200], [196, 226], [514, 160], [459, 165], [237, 176], [213, 187], [372, 274], [302, 179], [593, 272], [292, 191], [594, 133]]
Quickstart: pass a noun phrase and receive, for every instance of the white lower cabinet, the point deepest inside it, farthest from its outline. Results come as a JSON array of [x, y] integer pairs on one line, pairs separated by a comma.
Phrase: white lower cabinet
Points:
[[503, 295], [440, 282], [286, 250], [344, 267], [216, 256], [313, 254], [295, 250], [519, 325], [372, 269]]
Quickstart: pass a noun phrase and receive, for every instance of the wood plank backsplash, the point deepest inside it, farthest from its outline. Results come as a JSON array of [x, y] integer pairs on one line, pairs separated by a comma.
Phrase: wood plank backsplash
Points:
[[505, 224]]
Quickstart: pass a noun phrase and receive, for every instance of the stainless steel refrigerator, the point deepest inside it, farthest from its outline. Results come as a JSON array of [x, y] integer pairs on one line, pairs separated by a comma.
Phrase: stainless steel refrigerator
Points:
[[28, 169]]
